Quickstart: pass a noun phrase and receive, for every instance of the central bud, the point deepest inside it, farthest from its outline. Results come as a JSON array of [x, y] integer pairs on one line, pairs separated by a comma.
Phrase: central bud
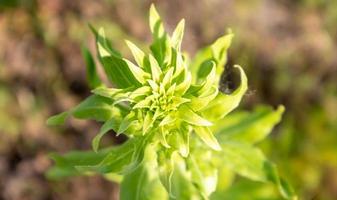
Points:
[[162, 101]]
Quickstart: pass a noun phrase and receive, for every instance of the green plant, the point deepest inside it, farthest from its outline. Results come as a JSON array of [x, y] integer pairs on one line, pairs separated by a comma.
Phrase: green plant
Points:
[[180, 144]]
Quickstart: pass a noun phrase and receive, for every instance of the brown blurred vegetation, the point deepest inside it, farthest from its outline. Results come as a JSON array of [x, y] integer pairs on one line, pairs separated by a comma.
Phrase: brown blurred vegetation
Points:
[[288, 49]]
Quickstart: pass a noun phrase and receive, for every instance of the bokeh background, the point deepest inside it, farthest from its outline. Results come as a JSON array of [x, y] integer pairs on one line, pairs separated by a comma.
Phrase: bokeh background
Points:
[[288, 49]]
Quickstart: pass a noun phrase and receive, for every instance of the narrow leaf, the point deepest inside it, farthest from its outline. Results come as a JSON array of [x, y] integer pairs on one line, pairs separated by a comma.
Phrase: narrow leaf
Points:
[[160, 46], [156, 24], [95, 107], [177, 35], [126, 122], [115, 67], [138, 73], [138, 54], [92, 76], [207, 136], [111, 124], [155, 69], [187, 115], [57, 119]]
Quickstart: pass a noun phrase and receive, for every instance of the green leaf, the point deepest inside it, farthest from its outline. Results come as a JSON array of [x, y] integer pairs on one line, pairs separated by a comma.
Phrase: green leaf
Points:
[[126, 122], [162, 137], [139, 74], [180, 140], [207, 136], [219, 51], [122, 159], [177, 101], [95, 107], [160, 46], [215, 52], [57, 119], [185, 84], [209, 80], [167, 80], [248, 127], [143, 183], [65, 165], [93, 79], [202, 57], [111, 124], [189, 116], [117, 70], [200, 102], [156, 24], [170, 118], [140, 92], [155, 69], [225, 103], [148, 122], [179, 65], [138, 55], [250, 162], [107, 92], [177, 35]]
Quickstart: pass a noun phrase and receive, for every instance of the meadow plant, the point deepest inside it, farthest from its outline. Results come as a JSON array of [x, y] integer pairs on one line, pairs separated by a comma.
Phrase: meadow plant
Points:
[[181, 143]]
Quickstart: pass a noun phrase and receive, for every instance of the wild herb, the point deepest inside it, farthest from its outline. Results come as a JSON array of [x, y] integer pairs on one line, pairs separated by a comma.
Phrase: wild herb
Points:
[[181, 143]]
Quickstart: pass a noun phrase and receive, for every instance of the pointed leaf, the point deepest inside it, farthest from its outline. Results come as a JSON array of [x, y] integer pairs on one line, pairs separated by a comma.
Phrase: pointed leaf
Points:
[[162, 137], [215, 52], [122, 159], [185, 85], [209, 79], [107, 92], [177, 101], [111, 124], [57, 119], [156, 24], [148, 122], [200, 102], [138, 55], [153, 85], [168, 77], [65, 164], [92, 76], [140, 92], [155, 69], [95, 107], [117, 70], [126, 122], [160, 46], [168, 119], [207, 136], [139, 74], [188, 115], [177, 35]]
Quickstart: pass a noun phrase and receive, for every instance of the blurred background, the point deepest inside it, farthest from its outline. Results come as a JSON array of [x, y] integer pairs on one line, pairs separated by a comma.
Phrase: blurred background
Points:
[[287, 47]]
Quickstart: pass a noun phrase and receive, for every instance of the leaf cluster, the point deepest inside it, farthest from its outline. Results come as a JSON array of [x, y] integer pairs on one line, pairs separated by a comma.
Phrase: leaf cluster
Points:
[[180, 142]]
